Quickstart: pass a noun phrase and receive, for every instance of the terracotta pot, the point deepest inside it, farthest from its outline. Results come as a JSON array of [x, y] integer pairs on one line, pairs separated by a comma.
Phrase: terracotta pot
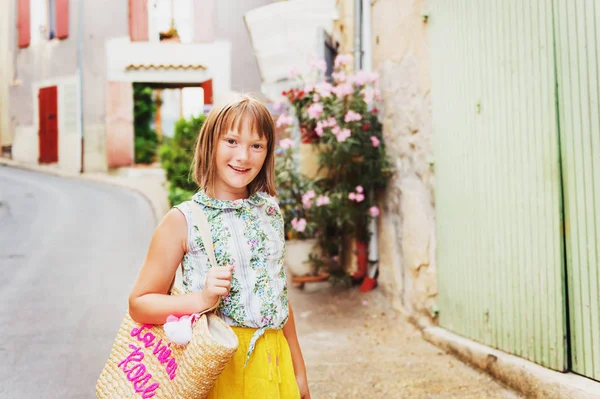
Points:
[[310, 279], [297, 254]]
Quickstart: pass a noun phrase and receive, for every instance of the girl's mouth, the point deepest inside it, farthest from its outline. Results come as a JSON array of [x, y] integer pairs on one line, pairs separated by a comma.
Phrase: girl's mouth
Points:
[[239, 170]]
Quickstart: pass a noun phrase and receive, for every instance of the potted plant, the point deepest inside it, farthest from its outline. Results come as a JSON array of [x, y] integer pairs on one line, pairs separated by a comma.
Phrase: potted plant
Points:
[[340, 119], [297, 199], [171, 35]]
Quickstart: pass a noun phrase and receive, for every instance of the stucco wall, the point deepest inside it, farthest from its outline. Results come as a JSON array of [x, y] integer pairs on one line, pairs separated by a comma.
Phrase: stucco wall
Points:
[[407, 229], [230, 26], [103, 20]]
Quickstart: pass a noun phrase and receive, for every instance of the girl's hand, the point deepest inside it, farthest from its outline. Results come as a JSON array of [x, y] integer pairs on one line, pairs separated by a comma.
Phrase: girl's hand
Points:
[[303, 387], [218, 282]]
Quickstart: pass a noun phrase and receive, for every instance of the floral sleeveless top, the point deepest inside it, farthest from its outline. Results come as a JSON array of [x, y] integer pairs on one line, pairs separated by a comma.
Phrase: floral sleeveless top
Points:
[[248, 234]]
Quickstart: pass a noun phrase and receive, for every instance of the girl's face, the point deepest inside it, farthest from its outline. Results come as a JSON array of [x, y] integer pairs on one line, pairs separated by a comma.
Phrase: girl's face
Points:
[[240, 157]]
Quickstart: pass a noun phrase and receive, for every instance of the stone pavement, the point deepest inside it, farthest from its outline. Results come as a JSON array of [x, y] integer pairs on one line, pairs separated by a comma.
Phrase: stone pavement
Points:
[[356, 346]]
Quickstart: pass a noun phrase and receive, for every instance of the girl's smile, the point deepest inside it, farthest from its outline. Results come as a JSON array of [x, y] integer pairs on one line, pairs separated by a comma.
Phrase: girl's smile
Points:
[[239, 169]]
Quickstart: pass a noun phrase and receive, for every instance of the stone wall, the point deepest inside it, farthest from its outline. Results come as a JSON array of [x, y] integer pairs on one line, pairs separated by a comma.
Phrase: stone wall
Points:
[[407, 223], [407, 228]]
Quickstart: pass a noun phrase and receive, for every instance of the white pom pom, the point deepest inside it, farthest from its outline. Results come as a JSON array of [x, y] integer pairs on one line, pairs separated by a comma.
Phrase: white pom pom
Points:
[[179, 332]]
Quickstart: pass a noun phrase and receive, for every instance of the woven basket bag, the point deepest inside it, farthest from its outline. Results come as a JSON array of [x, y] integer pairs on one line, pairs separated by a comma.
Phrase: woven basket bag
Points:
[[144, 364]]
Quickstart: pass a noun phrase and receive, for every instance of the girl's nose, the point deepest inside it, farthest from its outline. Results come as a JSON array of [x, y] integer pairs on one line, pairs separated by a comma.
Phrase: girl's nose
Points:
[[242, 154]]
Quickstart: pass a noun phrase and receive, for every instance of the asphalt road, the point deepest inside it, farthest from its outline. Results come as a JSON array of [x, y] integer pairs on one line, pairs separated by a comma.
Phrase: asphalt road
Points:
[[69, 253]]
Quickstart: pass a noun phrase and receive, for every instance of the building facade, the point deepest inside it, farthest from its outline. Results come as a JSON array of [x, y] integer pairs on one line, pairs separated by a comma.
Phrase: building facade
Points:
[[70, 96]]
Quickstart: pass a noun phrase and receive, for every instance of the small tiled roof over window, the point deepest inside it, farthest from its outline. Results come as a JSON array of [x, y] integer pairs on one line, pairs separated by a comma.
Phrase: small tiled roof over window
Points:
[[137, 67]]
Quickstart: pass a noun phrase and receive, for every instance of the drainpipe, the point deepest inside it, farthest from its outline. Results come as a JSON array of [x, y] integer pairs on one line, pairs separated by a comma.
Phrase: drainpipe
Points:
[[80, 68], [367, 65], [366, 47]]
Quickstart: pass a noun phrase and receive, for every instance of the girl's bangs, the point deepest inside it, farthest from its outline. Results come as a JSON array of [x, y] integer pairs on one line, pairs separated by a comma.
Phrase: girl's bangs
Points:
[[251, 115]]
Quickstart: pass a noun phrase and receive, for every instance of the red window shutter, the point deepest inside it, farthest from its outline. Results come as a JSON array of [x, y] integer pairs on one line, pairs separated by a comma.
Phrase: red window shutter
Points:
[[62, 18], [24, 23], [207, 86], [138, 20]]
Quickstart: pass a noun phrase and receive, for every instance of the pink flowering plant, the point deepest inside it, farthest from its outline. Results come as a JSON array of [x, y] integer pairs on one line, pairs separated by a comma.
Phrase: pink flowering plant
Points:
[[339, 116], [295, 193]]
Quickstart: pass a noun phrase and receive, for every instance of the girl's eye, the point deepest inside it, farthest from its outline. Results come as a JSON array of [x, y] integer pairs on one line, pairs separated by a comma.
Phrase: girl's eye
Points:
[[231, 141], [258, 146]]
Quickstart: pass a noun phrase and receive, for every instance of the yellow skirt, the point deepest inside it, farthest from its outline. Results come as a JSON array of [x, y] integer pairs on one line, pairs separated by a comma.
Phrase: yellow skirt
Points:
[[268, 375]]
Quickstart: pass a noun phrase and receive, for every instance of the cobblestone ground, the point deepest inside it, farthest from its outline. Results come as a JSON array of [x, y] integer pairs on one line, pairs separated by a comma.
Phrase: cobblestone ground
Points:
[[356, 346]]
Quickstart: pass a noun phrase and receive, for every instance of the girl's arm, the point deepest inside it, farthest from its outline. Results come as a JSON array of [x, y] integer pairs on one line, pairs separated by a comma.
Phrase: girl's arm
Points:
[[289, 331], [148, 301]]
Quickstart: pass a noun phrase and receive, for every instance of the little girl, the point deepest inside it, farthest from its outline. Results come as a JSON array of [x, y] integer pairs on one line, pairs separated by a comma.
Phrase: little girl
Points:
[[234, 168]]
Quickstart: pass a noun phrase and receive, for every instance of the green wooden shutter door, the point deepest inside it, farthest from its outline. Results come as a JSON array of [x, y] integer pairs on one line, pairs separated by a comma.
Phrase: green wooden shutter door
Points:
[[577, 27], [498, 194]]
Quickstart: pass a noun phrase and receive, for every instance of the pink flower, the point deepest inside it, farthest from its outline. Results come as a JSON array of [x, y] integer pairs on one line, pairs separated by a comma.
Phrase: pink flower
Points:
[[322, 200], [309, 87], [343, 135], [360, 197], [375, 141], [378, 95], [352, 196], [339, 76], [319, 65], [293, 72], [277, 107], [286, 143], [359, 189], [324, 89], [361, 78], [374, 211], [299, 224], [284, 120], [315, 110], [344, 89], [368, 94], [307, 198], [352, 116], [330, 122], [319, 129], [316, 98], [342, 59]]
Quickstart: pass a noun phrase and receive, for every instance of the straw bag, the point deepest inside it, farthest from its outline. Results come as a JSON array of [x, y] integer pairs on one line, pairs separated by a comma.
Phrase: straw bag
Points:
[[143, 363]]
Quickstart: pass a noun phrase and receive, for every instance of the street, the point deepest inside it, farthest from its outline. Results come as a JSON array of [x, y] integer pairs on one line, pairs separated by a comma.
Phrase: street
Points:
[[69, 251]]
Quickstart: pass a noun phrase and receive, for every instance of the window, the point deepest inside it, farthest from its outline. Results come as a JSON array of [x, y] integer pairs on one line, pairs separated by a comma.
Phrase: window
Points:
[[171, 19], [48, 19]]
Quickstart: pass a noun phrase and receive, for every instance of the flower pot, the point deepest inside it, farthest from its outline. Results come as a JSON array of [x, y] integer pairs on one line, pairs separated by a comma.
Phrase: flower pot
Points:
[[297, 254]]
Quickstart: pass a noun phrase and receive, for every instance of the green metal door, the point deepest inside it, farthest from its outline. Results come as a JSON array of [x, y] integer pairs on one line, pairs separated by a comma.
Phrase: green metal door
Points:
[[577, 31], [498, 192]]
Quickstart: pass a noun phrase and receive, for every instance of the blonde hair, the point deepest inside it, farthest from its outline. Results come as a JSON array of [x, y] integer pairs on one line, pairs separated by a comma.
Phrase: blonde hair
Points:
[[233, 115]]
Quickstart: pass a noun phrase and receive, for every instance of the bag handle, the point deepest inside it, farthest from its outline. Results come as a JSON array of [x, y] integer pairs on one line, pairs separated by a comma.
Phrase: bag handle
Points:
[[204, 229]]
